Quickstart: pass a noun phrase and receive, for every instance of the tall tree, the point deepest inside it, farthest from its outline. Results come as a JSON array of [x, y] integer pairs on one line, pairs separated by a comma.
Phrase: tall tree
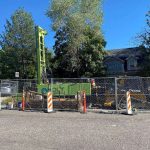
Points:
[[63, 64], [18, 44], [92, 54], [70, 20]]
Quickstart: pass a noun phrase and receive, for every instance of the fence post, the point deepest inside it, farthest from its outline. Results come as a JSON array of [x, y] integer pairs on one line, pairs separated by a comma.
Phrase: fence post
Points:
[[49, 102], [116, 94], [128, 100], [80, 101], [23, 100]]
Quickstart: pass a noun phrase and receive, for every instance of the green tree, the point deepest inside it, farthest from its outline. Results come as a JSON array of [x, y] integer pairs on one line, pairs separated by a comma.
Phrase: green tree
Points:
[[92, 54], [89, 56], [62, 65], [18, 44], [49, 62], [6, 64], [70, 20], [1, 63]]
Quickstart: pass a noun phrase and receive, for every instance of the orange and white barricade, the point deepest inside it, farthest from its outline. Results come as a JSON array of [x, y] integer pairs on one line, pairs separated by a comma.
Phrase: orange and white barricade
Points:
[[49, 102], [129, 107], [84, 102], [23, 100]]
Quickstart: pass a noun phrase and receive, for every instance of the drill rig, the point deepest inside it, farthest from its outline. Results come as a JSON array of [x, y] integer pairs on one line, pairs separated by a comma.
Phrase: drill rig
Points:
[[40, 52], [43, 84]]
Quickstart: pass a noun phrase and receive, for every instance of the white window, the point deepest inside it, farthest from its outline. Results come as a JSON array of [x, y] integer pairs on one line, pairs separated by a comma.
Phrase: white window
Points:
[[132, 63]]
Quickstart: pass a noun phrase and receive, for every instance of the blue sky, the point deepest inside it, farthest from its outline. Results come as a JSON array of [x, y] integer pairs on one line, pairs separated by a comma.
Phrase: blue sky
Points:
[[122, 21]]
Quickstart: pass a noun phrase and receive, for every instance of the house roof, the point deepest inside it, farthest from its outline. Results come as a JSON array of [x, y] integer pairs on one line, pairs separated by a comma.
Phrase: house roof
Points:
[[124, 53], [109, 58]]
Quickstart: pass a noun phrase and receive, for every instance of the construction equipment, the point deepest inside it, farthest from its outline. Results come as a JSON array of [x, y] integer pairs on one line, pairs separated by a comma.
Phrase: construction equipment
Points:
[[43, 84], [40, 50]]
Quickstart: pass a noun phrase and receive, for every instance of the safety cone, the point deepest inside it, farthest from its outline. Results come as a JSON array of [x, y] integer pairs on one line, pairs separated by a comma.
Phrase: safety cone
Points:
[[84, 102], [23, 101]]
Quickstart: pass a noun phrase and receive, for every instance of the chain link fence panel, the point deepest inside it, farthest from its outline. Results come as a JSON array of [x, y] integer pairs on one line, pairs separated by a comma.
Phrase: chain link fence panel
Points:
[[101, 93], [67, 92], [11, 92], [139, 92]]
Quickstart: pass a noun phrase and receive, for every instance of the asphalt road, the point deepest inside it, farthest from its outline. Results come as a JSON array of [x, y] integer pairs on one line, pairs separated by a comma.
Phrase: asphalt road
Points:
[[73, 131]]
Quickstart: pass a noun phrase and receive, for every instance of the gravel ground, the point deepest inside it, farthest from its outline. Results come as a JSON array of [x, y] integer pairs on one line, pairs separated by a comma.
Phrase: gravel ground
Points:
[[73, 131]]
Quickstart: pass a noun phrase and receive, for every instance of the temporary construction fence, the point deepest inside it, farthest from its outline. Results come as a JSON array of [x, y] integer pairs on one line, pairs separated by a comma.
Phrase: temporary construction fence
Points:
[[67, 93], [8, 87], [139, 91], [11, 92], [110, 93], [101, 93], [46, 102], [34, 101]]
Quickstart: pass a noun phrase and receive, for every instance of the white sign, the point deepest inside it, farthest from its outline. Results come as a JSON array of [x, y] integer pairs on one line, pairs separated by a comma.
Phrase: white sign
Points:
[[17, 74]]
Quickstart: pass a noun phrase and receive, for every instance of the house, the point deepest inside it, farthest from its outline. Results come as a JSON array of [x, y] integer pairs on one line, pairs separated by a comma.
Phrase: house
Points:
[[123, 61]]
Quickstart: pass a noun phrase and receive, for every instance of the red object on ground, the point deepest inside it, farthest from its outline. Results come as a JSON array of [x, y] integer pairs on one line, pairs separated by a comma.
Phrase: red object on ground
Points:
[[23, 101]]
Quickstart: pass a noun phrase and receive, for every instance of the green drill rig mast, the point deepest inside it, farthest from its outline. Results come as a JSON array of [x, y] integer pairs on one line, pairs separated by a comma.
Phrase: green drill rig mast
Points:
[[42, 85], [40, 50]]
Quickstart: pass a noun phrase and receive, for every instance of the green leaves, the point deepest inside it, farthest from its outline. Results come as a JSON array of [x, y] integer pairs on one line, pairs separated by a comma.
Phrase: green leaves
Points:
[[18, 44], [79, 42]]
